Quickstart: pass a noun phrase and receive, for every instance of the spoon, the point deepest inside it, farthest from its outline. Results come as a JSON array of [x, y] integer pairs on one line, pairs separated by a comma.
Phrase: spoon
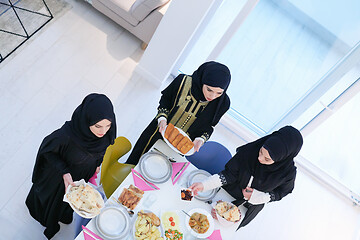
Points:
[[192, 218], [130, 212]]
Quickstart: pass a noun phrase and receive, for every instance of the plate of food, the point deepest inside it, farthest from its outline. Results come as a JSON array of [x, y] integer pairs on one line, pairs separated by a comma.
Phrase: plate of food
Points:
[[146, 225], [130, 197], [201, 224], [178, 140], [84, 199], [113, 222], [226, 213], [170, 222]]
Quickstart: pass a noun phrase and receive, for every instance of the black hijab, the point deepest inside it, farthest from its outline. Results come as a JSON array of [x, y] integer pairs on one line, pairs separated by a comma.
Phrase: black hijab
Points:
[[284, 144], [94, 108], [213, 74]]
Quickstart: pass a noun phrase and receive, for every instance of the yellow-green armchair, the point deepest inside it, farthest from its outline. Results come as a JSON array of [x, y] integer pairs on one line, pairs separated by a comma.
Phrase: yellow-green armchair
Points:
[[113, 172]]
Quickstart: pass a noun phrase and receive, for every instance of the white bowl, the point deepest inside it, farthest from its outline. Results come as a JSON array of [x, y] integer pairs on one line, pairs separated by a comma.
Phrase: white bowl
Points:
[[209, 217], [222, 220]]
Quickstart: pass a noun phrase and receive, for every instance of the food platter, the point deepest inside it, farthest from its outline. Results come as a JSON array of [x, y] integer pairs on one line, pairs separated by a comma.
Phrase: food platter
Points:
[[190, 152], [97, 198], [133, 223], [113, 223], [171, 225], [209, 217], [199, 176], [221, 217], [155, 168]]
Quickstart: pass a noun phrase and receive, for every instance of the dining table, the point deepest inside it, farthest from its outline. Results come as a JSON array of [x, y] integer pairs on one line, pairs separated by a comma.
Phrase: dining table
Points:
[[167, 198]]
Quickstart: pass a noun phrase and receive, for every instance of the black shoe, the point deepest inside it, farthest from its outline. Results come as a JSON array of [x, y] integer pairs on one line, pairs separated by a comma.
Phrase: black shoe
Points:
[[51, 231]]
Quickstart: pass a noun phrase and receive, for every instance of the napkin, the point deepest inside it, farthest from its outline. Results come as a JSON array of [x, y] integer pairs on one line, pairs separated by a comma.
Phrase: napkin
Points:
[[88, 236], [178, 166], [216, 235], [93, 179], [142, 183]]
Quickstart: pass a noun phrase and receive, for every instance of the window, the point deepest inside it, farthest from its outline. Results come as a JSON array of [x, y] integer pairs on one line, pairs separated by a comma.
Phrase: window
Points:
[[289, 61]]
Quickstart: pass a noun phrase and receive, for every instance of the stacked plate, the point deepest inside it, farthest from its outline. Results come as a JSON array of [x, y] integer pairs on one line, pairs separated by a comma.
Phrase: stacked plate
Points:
[[113, 223], [155, 168], [199, 176]]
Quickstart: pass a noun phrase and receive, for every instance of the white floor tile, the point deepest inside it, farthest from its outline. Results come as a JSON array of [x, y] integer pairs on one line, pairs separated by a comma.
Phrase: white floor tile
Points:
[[83, 52]]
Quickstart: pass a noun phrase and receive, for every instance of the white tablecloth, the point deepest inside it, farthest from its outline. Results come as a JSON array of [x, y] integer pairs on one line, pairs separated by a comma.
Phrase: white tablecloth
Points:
[[168, 198]]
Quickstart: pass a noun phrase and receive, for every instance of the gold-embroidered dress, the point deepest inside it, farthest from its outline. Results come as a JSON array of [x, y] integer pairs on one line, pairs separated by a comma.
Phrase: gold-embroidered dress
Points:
[[182, 104]]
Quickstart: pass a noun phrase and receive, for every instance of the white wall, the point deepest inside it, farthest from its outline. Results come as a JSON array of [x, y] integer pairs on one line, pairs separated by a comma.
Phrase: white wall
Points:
[[180, 26]]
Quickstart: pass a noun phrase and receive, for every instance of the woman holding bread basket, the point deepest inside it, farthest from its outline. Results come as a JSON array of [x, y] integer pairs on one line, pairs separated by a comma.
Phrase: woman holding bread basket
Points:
[[194, 103], [71, 153], [260, 172]]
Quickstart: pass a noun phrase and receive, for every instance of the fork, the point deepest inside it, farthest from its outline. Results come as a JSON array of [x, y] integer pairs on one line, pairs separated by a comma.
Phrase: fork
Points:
[[130, 212], [171, 159]]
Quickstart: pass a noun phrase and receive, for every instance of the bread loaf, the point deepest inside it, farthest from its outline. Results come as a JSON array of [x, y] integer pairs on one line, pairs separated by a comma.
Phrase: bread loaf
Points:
[[168, 130], [182, 142], [186, 147], [173, 135], [177, 140]]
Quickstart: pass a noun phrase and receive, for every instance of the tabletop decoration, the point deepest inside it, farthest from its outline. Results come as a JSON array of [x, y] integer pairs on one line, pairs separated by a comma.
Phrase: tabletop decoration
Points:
[[92, 180], [89, 235], [178, 169], [216, 235], [142, 183]]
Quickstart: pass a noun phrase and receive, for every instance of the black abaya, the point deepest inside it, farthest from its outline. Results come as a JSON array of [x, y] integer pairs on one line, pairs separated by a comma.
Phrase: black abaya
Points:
[[277, 179], [212, 74], [70, 149]]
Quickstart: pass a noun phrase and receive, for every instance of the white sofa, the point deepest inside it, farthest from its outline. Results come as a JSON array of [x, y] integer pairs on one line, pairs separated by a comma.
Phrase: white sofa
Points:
[[140, 17]]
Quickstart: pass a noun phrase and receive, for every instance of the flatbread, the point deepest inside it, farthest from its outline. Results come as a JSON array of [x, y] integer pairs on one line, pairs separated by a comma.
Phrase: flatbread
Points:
[[228, 211], [85, 198]]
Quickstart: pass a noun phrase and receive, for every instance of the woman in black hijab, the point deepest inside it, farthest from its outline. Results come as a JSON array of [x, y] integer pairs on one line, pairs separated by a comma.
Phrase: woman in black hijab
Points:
[[193, 103], [269, 162], [73, 152]]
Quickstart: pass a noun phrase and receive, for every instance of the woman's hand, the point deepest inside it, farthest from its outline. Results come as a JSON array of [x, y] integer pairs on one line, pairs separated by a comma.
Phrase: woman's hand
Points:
[[247, 193], [68, 180], [162, 124], [196, 187], [197, 144]]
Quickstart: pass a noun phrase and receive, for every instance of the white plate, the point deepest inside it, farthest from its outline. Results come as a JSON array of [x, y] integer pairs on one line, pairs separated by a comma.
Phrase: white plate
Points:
[[199, 176], [180, 226], [209, 217], [155, 168], [113, 222], [190, 152], [133, 230], [80, 212]]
